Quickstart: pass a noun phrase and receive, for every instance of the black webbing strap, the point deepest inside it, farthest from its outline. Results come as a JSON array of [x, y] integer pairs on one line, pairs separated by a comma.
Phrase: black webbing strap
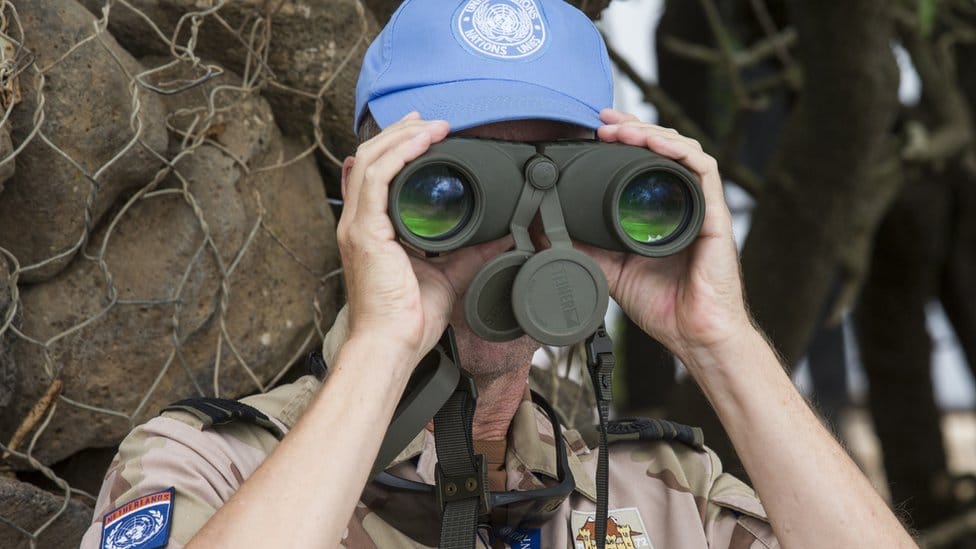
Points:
[[315, 363], [646, 429], [221, 411], [462, 477], [599, 362], [432, 383]]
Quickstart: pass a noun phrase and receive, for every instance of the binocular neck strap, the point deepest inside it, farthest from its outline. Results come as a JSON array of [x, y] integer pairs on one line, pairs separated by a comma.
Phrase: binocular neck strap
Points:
[[600, 362], [461, 476], [441, 390], [431, 385]]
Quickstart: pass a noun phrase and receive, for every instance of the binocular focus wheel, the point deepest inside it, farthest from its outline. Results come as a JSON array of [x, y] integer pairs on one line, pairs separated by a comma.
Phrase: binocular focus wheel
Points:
[[488, 303], [560, 296]]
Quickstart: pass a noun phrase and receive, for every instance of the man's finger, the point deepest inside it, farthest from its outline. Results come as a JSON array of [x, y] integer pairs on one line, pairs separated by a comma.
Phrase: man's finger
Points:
[[375, 188], [717, 218], [611, 132], [368, 152], [613, 116]]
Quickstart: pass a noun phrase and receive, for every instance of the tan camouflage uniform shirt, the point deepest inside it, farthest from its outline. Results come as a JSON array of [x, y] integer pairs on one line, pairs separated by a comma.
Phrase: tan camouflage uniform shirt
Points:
[[662, 495]]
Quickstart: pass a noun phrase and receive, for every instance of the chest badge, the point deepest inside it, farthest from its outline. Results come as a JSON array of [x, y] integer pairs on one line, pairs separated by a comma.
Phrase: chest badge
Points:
[[625, 530]]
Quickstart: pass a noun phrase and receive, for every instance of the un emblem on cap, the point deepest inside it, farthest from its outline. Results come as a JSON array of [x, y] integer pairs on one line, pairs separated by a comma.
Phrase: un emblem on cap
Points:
[[502, 29]]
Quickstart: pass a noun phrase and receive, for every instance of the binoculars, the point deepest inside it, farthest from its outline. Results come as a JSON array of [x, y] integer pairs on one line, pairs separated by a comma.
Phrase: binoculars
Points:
[[466, 191]]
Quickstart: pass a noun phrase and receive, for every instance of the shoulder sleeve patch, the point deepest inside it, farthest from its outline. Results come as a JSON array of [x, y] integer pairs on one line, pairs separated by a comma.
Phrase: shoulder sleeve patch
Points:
[[142, 523]]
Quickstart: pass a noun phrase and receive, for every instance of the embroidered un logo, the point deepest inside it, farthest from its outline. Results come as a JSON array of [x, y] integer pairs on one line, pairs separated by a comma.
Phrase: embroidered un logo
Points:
[[506, 29], [136, 530]]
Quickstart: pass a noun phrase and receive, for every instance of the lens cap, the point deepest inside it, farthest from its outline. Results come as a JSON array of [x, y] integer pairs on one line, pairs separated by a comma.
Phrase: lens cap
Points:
[[488, 303], [560, 296]]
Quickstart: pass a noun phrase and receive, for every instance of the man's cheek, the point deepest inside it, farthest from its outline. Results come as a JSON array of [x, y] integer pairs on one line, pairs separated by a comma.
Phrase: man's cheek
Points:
[[457, 314]]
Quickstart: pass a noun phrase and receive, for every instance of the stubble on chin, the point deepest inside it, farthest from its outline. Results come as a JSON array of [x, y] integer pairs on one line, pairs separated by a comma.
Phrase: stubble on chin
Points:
[[488, 361]]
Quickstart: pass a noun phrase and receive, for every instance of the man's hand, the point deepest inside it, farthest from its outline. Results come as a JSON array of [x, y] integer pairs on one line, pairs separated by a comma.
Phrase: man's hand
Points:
[[693, 299], [396, 299], [692, 302]]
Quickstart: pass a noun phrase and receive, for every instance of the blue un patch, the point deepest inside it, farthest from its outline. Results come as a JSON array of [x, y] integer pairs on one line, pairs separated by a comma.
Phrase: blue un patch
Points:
[[503, 29], [142, 523]]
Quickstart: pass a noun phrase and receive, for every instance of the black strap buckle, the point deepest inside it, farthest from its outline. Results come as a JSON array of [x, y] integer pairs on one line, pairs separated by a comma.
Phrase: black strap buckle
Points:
[[600, 361], [452, 488], [598, 344]]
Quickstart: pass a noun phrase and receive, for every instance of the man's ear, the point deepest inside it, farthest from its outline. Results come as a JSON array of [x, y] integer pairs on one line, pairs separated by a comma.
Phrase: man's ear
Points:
[[346, 168]]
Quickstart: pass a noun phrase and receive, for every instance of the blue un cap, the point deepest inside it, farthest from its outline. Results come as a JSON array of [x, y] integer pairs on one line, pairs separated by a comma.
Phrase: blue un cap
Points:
[[481, 61]]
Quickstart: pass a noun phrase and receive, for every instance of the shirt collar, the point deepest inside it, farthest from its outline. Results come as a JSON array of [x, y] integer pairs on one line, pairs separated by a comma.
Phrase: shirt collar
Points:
[[530, 452]]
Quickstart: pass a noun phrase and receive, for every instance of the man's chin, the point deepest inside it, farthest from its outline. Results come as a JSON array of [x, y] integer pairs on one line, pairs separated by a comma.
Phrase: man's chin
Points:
[[492, 359]]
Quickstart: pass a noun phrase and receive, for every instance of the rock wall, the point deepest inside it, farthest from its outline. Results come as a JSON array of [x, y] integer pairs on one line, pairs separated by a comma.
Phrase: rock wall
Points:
[[164, 225], [314, 53]]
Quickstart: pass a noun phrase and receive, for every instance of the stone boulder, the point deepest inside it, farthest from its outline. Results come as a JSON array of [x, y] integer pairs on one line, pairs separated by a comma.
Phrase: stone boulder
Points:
[[8, 371], [310, 40], [8, 166], [86, 102], [28, 507], [9, 95], [210, 280]]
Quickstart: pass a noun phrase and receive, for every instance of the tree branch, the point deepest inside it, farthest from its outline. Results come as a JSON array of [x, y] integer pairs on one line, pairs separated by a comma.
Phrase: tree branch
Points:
[[727, 53], [942, 97], [756, 53], [34, 416], [670, 109], [761, 10]]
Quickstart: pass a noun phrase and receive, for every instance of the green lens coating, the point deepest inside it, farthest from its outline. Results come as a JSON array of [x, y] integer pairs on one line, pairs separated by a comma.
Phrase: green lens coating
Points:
[[435, 202], [654, 207]]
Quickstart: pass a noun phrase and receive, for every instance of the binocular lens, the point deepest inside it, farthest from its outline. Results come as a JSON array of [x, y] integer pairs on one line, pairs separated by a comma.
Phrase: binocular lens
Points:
[[435, 202], [654, 207]]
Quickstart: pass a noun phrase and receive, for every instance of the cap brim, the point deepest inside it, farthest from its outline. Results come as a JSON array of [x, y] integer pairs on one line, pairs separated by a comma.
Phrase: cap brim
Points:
[[469, 103]]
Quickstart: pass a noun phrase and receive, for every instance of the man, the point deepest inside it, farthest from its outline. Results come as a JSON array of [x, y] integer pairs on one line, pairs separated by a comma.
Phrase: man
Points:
[[526, 70]]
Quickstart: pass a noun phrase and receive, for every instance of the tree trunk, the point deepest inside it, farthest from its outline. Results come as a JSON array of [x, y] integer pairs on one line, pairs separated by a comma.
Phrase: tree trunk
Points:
[[958, 290], [896, 348], [926, 247], [822, 195]]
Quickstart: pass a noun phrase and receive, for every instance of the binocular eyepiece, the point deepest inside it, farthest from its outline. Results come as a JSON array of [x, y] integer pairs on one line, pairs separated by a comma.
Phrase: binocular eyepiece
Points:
[[613, 196]]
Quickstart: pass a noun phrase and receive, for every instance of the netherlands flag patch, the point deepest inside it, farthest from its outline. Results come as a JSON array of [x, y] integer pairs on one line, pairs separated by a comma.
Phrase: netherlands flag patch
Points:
[[142, 523]]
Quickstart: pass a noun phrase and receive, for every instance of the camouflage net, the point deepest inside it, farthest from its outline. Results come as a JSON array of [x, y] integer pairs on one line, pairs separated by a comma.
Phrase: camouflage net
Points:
[[183, 70]]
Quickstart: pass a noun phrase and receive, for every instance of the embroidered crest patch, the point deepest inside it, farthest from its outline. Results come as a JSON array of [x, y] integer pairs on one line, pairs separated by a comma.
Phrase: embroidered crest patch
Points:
[[142, 523], [504, 29], [625, 528]]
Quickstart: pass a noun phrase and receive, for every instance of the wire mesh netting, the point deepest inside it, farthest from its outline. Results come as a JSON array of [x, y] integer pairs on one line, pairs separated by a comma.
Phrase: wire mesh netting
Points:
[[164, 226]]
